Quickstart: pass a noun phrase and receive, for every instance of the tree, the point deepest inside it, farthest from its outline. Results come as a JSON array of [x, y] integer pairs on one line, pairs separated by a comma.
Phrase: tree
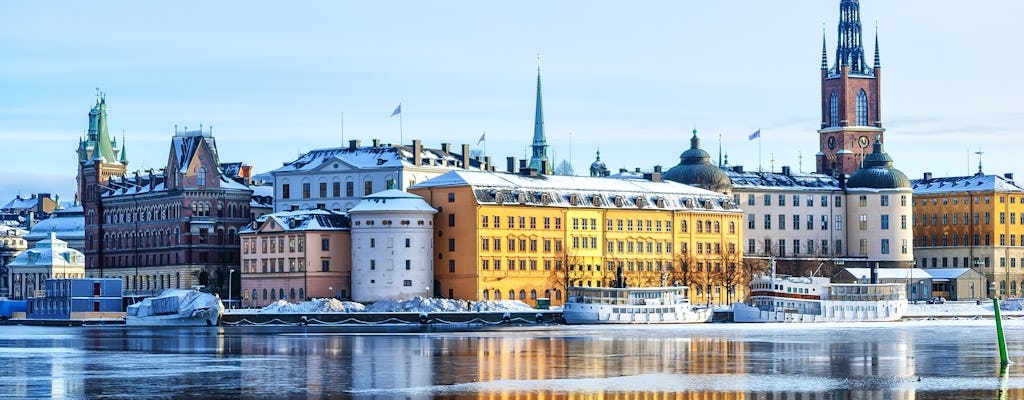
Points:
[[564, 168], [732, 275], [681, 271], [567, 271]]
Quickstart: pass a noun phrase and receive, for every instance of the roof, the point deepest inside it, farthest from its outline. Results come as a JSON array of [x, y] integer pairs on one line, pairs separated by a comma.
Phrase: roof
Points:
[[303, 220], [578, 191], [49, 251], [392, 200], [18, 203], [947, 273], [891, 273], [776, 180], [695, 169], [372, 157], [973, 183], [877, 172], [68, 225]]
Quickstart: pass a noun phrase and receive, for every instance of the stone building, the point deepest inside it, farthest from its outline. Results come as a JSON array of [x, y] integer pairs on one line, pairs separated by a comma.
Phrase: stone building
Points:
[[50, 258]]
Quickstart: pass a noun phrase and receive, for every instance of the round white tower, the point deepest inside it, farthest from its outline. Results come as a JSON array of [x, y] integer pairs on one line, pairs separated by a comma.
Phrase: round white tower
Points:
[[392, 244]]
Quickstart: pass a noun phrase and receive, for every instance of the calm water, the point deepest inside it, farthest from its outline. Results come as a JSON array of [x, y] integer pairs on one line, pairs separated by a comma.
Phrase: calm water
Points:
[[908, 360]]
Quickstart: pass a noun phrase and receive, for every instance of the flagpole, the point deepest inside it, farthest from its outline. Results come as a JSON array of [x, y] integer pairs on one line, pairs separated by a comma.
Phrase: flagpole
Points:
[[401, 138], [759, 169]]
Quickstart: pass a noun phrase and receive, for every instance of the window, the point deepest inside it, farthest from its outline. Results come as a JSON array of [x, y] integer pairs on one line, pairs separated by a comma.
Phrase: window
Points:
[[350, 189], [838, 223], [325, 244], [796, 222], [767, 200], [839, 201], [367, 188], [885, 246], [407, 282], [373, 242], [451, 219], [325, 265], [286, 191], [862, 108], [201, 176], [750, 221], [305, 190], [863, 218], [833, 109], [336, 189], [885, 221], [863, 246], [796, 200], [408, 264], [373, 264], [810, 222], [863, 200], [451, 244], [782, 222], [451, 266], [323, 189], [750, 199], [782, 200], [451, 197]]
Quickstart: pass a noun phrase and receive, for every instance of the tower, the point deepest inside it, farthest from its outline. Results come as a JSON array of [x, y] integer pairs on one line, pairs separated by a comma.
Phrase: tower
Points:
[[850, 99], [97, 162], [539, 156]]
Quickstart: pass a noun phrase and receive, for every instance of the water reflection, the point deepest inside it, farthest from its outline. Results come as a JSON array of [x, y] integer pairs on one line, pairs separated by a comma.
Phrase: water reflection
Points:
[[890, 361]]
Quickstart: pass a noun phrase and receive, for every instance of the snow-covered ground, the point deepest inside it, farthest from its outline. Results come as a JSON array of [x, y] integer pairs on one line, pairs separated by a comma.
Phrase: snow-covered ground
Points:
[[1010, 307], [416, 304]]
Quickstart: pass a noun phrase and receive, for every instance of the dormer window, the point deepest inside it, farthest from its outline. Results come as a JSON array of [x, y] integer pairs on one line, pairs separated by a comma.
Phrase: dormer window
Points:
[[619, 201], [596, 200], [574, 199], [201, 176]]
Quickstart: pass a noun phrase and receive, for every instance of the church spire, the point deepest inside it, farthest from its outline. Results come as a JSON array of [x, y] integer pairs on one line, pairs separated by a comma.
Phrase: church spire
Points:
[[103, 148], [124, 150], [878, 58], [539, 156], [824, 49], [850, 49]]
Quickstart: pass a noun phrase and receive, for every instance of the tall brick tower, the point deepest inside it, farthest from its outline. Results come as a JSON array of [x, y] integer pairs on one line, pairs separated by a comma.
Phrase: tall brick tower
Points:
[[851, 114], [97, 161]]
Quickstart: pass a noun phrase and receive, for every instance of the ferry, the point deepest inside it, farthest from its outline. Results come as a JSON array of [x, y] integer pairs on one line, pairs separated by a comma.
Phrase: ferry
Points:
[[654, 305], [177, 307], [816, 299]]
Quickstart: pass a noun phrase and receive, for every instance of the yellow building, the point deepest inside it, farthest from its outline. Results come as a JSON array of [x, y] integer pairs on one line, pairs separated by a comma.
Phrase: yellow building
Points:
[[504, 236], [972, 222]]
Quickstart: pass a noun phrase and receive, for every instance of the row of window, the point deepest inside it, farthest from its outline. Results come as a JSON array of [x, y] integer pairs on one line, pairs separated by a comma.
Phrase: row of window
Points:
[[934, 219], [276, 244], [592, 224], [861, 109], [808, 223], [335, 189], [121, 215], [485, 222], [954, 240], [496, 294], [779, 248], [964, 200], [524, 244], [277, 265], [808, 200]]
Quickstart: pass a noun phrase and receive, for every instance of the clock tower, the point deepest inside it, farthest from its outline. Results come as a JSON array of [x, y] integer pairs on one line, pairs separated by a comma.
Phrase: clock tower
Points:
[[850, 102]]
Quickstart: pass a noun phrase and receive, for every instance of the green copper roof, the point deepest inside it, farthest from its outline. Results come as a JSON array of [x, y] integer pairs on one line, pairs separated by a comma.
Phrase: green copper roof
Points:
[[98, 129], [540, 143]]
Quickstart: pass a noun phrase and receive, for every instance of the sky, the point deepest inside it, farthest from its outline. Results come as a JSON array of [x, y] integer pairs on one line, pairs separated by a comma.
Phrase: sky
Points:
[[633, 79]]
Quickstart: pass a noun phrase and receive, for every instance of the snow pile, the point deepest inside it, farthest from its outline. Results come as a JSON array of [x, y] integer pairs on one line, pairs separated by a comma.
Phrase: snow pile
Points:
[[314, 306], [1011, 305]]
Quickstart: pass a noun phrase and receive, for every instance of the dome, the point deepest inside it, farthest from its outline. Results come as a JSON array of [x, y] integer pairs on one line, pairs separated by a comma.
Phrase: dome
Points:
[[392, 200], [598, 167], [877, 172], [695, 169]]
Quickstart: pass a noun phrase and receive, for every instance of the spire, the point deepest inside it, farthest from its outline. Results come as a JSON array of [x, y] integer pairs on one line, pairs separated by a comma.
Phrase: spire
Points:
[[124, 150], [540, 144], [824, 49], [878, 59], [98, 131], [850, 49]]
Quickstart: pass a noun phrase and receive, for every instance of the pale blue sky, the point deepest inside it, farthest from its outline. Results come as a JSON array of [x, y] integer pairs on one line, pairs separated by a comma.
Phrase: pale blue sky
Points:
[[273, 79]]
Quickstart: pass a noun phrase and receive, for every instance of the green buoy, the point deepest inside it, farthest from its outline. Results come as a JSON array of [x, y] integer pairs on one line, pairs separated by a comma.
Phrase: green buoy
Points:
[[1003, 359]]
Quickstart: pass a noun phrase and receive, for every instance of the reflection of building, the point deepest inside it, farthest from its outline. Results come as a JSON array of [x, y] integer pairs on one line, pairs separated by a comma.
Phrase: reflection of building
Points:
[[336, 178], [392, 247], [504, 236], [972, 222], [293, 255], [51, 258], [157, 229]]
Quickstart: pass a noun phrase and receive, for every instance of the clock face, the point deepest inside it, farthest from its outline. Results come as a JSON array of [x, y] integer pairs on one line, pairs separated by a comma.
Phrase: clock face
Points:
[[832, 143], [863, 141]]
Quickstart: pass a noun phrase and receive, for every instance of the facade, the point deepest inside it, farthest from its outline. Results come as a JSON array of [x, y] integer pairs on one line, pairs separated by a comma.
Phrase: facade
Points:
[[850, 98], [504, 236], [176, 227], [879, 202], [50, 258], [972, 222], [77, 298], [34, 208], [392, 247], [918, 282], [337, 178], [12, 243], [295, 255]]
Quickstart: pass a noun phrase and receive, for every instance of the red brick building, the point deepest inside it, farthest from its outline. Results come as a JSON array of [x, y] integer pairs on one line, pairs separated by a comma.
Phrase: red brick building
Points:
[[851, 116], [176, 227]]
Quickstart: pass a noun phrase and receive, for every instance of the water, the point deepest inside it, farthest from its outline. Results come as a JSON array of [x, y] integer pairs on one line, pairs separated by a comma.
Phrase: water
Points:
[[906, 360]]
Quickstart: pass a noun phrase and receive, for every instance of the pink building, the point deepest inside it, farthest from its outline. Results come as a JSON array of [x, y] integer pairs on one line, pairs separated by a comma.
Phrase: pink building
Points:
[[295, 255]]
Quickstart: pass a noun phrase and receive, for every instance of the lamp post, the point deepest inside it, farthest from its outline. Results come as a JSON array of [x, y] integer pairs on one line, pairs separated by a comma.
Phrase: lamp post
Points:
[[330, 291], [230, 273]]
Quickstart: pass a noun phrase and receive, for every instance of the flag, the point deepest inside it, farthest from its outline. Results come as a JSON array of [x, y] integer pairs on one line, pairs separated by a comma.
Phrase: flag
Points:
[[482, 137], [398, 110], [754, 135]]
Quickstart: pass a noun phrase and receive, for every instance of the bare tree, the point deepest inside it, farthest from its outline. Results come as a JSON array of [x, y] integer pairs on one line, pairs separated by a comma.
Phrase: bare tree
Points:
[[567, 271], [681, 271]]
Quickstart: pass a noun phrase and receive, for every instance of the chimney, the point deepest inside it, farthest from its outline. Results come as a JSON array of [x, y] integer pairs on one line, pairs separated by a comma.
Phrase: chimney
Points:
[[353, 144], [446, 147], [657, 168], [465, 156], [927, 176], [417, 149], [487, 164], [622, 170], [786, 170], [528, 171], [522, 164], [874, 272], [842, 181], [152, 181], [543, 167], [737, 168], [653, 176], [511, 167], [638, 170], [376, 142], [1008, 176]]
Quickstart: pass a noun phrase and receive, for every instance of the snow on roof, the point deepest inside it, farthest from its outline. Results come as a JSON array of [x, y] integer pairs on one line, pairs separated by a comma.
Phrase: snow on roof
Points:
[[946, 273], [12, 231], [579, 191], [70, 226], [392, 200], [891, 273], [777, 180], [49, 251], [370, 157], [303, 220], [974, 183], [262, 190], [18, 203]]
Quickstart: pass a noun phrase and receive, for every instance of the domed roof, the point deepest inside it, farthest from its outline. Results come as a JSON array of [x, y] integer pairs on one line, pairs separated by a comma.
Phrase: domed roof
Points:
[[695, 169], [598, 167], [392, 200], [877, 172]]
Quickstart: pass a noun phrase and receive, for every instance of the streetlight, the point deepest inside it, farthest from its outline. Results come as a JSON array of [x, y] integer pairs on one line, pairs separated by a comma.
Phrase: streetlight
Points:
[[330, 291], [230, 273]]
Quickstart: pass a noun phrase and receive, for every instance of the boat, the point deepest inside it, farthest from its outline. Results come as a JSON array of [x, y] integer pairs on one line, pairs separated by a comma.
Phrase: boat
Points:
[[653, 305], [816, 299], [176, 307]]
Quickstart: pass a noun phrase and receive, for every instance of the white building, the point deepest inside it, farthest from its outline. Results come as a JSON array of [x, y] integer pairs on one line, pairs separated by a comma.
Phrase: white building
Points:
[[337, 178], [879, 213], [50, 258], [392, 247]]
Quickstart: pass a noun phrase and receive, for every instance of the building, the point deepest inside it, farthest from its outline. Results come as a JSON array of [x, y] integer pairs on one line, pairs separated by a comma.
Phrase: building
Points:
[[50, 258], [392, 247], [32, 209], [175, 227], [78, 298], [295, 255], [598, 168], [67, 223], [972, 222], [851, 112], [879, 201], [12, 243], [918, 282], [337, 178], [526, 236]]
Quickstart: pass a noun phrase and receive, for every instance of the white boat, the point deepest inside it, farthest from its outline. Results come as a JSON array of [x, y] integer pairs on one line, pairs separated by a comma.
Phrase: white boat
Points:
[[655, 305], [176, 307], [816, 299]]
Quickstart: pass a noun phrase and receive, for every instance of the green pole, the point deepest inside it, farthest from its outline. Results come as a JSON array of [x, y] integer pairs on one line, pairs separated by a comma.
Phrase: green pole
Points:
[[1003, 359]]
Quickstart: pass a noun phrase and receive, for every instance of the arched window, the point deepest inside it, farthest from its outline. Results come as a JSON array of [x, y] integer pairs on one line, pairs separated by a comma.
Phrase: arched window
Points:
[[487, 295], [201, 176], [533, 294], [558, 294], [684, 225], [497, 294], [511, 294], [264, 294], [254, 295], [273, 295], [833, 110], [862, 108], [522, 294], [281, 293], [291, 295], [302, 294]]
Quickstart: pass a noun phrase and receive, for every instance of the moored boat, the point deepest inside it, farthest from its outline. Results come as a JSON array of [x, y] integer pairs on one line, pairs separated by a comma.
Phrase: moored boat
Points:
[[176, 307], [654, 305], [816, 299]]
